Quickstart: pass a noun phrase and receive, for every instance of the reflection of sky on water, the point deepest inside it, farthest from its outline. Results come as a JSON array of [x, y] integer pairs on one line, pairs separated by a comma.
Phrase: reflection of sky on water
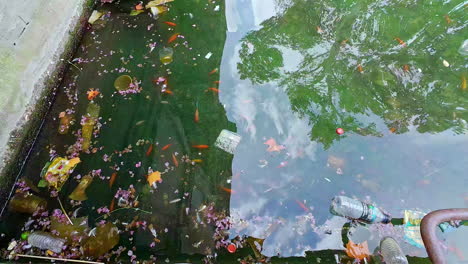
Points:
[[405, 171]]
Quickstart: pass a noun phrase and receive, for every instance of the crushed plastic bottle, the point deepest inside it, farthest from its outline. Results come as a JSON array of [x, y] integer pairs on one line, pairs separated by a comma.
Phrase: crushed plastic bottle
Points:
[[357, 210], [45, 240], [391, 252]]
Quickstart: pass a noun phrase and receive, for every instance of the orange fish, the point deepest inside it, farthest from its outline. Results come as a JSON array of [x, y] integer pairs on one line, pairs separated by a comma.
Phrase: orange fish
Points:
[[447, 19], [227, 190], [170, 23], [200, 146], [213, 71], [112, 205], [197, 160], [139, 6], [197, 116], [166, 147], [406, 68], [302, 205], [217, 82], [344, 42], [319, 29], [150, 149], [168, 92], [273, 146], [392, 130], [401, 42], [174, 159], [359, 68], [112, 179], [173, 37], [213, 89], [92, 94]]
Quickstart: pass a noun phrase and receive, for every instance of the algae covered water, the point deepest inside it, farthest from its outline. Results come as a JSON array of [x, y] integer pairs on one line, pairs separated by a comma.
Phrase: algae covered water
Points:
[[154, 84]]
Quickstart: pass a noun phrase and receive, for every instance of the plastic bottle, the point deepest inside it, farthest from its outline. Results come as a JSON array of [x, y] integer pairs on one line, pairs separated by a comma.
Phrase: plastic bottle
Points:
[[391, 252], [27, 203], [45, 240], [357, 210]]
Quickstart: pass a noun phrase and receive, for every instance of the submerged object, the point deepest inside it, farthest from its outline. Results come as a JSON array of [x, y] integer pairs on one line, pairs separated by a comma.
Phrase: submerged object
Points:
[[166, 55], [64, 123], [26, 203], [357, 210], [79, 194], [57, 173], [46, 241], [94, 16], [123, 82], [463, 50], [107, 237], [391, 252], [88, 122]]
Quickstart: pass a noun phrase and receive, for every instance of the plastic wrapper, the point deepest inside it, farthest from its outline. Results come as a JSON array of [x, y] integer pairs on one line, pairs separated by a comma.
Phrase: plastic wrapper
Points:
[[228, 141], [412, 229], [57, 172], [357, 251], [79, 194], [26, 203], [71, 233], [92, 114], [107, 237]]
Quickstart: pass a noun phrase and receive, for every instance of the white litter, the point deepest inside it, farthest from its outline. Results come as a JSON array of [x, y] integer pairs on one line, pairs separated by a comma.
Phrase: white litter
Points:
[[94, 16], [216, 8], [446, 64], [208, 55], [228, 141]]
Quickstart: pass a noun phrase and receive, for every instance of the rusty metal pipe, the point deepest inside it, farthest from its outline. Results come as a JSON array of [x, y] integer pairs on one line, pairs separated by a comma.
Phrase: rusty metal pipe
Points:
[[429, 226]]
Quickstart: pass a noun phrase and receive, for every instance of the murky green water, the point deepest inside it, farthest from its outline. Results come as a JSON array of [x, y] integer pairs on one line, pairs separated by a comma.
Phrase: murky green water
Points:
[[388, 72]]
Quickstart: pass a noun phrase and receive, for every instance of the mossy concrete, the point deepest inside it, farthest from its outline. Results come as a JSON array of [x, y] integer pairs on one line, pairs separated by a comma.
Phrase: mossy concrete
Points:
[[37, 40]]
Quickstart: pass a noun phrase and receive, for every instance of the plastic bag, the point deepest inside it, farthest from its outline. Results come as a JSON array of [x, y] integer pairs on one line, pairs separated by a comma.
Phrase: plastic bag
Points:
[[57, 172]]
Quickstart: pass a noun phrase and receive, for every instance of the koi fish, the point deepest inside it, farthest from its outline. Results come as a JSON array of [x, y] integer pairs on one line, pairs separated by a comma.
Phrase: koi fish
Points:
[[401, 42], [173, 37], [139, 6], [447, 19], [213, 89], [150, 149], [217, 82], [344, 42], [359, 68], [406, 68], [174, 159], [197, 116], [227, 190], [168, 92], [200, 146], [463, 83], [92, 94], [215, 70], [112, 179], [171, 24], [197, 160], [166, 147], [112, 205], [319, 29], [302, 205]]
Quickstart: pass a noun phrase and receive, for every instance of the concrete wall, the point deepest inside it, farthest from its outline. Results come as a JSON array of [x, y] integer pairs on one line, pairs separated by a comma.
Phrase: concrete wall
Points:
[[35, 38]]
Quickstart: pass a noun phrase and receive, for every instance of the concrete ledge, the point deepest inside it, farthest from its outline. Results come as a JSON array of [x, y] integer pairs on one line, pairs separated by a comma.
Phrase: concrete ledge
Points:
[[37, 39]]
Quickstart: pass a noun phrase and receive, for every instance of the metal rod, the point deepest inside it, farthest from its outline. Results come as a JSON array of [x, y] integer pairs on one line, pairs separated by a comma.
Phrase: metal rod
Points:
[[429, 226], [59, 259]]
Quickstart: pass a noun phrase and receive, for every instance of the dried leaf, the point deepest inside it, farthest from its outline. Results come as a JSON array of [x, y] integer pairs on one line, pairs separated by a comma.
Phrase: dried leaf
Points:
[[154, 177]]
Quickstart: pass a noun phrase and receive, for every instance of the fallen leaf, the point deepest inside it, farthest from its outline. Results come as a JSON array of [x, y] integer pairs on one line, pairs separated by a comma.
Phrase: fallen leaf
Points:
[[154, 177], [94, 16], [273, 146], [357, 251]]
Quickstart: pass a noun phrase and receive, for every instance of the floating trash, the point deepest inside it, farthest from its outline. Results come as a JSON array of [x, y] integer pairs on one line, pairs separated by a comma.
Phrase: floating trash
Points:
[[94, 16], [228, 141], [79, 194], [463, 50], [26, 203], [123, 82]]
